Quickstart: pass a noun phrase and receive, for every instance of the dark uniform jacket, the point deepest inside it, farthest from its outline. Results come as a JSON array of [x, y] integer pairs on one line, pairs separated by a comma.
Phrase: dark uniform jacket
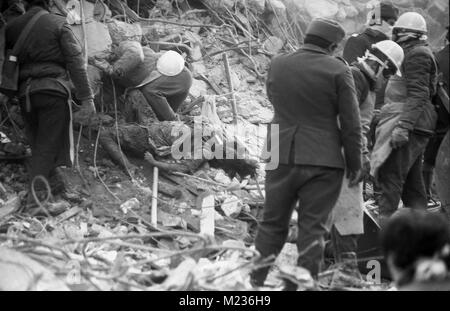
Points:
[[310, 91], [419, 69], [50, 51], [356, 46]]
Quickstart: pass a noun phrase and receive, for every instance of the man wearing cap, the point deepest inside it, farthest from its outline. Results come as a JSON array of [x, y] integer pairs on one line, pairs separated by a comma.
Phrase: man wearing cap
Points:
[[408, 120], [316, 109], [380, 22]]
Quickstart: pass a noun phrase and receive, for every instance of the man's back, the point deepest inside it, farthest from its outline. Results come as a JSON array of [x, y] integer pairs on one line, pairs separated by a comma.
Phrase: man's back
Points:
[[308, 89]]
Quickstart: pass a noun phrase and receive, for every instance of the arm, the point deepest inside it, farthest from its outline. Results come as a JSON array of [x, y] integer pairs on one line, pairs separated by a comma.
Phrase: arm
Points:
[[76, 66], [366, 110], [417, 71], [350, 120]]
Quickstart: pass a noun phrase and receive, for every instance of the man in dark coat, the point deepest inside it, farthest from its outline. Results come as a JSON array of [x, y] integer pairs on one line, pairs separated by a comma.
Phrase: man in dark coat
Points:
[[400, 175], [433, 146], [381, 20], [380, 25], [51, 53], [312, 92]]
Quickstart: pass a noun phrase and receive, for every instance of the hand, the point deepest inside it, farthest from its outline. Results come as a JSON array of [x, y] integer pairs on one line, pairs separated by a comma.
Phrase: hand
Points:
[[149, 157], [86, 113], [355, 177], [399, 137]]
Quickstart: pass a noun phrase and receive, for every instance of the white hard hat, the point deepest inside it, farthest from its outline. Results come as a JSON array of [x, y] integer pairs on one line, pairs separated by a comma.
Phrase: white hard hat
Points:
[[170, 64], [411, 21], [392, 51]]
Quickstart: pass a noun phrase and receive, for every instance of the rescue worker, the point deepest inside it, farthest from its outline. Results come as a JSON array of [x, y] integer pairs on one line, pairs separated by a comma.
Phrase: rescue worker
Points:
[[381, 61], [162, 77], [380, 21], [406, 121], [429, 160], [51, 53], [309, 90]]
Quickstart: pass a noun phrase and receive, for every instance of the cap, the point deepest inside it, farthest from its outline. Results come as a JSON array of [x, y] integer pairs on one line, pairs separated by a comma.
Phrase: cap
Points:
[[327, 29]]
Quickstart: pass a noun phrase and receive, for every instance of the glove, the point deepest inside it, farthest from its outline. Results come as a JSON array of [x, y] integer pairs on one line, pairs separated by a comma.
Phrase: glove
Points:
[[355, 177], [86, 112], [399, 137]]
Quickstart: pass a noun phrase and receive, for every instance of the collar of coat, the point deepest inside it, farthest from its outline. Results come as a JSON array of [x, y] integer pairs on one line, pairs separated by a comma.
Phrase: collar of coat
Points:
[[314, 48], [409, 45]]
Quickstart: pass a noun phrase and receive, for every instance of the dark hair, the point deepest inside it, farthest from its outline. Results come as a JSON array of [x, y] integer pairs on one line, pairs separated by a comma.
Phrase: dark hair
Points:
[[412, 234], [316, 40]]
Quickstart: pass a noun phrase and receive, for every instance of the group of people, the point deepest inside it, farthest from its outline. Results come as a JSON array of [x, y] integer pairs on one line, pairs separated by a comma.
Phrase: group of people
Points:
[[327, 108], [54, 75]]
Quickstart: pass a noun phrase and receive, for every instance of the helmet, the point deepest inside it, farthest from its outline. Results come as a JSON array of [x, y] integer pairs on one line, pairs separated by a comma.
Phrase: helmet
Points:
[[392, 52], [170, 63], [411, 21]]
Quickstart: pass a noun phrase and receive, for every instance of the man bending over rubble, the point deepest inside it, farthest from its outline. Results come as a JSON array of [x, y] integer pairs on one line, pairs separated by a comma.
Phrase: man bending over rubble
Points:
[[162, 78]]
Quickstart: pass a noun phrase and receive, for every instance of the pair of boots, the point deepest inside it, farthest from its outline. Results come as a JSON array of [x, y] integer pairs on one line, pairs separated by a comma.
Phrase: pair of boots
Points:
[[44, 190]]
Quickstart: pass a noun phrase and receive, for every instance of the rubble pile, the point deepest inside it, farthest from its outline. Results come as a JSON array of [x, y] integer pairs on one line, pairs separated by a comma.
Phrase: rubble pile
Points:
[[206, 215]]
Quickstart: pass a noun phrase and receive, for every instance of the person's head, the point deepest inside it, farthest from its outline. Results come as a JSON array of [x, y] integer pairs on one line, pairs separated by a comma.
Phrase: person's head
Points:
[[416, 245], [170, 63], [384, 58], [410, 26], [382, 17], [324, 33]]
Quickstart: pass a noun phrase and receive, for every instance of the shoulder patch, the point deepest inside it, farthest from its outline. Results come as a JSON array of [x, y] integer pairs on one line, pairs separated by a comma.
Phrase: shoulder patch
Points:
[[342, 60]]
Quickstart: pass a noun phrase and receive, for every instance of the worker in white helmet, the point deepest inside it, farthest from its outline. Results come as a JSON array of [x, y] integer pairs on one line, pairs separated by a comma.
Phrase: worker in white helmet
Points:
[[383, 60], [162, 77], [407, 120], [169, 89]]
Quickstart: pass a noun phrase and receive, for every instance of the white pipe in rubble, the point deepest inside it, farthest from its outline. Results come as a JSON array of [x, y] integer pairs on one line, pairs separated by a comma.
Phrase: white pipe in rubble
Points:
[[154, 213]]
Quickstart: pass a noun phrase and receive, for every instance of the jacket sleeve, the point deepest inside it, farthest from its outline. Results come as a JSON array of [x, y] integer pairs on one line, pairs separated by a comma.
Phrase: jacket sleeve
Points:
[[417, 71], [353, 49], [75, 64], [350, 120], [366, 113]]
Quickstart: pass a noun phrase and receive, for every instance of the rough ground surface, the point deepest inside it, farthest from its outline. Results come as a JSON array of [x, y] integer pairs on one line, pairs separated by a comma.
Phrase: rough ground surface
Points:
[[105, 240]]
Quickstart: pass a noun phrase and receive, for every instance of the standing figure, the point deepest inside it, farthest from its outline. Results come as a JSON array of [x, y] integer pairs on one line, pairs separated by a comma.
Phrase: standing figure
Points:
[[314, 97], [380, 62], [50, 55], [407, 121]]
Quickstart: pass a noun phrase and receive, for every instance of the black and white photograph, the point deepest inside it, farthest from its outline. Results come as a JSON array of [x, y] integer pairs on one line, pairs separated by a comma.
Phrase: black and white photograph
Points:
[[222, 152]]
